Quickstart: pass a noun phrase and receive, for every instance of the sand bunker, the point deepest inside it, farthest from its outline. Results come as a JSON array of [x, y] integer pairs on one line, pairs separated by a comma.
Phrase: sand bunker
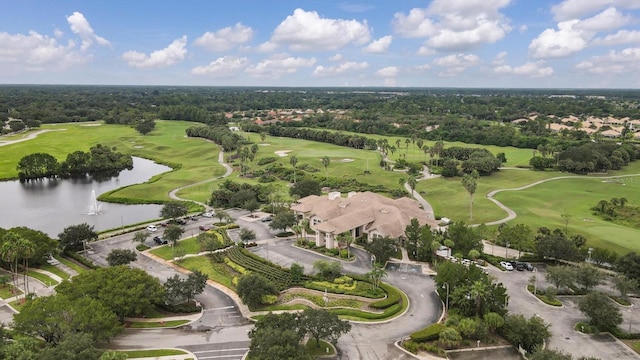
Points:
[[264, 144], [91, 125], [347, 160], [282, 152], [139, 147]]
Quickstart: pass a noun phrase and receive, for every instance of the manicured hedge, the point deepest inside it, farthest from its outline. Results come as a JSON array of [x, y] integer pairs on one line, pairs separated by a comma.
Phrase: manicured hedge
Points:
[[393, 297], [81, 259], [431, 332], [388, 312]]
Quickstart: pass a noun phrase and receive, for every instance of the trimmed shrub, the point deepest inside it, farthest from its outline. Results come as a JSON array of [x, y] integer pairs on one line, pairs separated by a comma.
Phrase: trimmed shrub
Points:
[[81, 259], [431, 332], [393, 297]]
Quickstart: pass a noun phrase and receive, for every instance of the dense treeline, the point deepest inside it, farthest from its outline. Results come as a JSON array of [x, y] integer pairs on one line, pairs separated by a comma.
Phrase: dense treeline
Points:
[[220, 135], [128, 104], [336, 138], [99, 161], [586, 158]]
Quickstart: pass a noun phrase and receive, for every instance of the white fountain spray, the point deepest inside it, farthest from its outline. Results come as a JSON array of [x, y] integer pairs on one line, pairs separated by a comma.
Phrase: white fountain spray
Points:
[[94, 207]]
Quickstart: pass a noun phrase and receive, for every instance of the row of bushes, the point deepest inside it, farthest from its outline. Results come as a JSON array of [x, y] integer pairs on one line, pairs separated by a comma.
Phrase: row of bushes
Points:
[[393, 297], [81, 259], [351, 313], [431, 332]]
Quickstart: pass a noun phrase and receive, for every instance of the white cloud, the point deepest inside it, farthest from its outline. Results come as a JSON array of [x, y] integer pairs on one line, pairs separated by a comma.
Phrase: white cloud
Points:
[[227, 66], [425, 51], [307, 31], [347, 67], [267, 47], [609, 19], [530, 69], [36, 52], [226, 38], [455, 24], [614, 62], [80, 26], [455, 64], [174, 53], [336, 57], [574, 9], [421, 68], [379, 46], [499, 60], [523, 28], [620, 37], [389, 71], [279, 65], [565, 41], [58, 33]]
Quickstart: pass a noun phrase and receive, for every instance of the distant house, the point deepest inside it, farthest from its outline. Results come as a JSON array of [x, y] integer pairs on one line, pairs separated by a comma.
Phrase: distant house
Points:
[[234, 128], [612, 134], [359, 214]]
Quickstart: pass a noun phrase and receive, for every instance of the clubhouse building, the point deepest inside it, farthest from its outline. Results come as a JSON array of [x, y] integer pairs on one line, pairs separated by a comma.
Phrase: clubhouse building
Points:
[[360, 213]]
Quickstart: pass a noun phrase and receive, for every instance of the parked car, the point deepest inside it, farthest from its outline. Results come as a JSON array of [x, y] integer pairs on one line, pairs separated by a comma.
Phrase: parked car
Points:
[[266, 219], [520, 266], [506, 265], [152, 228], [528, 266], [164, 224], [160, 241], [204, 228], [193, 217], [207, 214]]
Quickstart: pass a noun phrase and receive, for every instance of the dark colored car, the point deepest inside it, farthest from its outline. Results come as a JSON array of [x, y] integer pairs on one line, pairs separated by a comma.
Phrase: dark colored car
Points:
[[520, 266], [204, 228], [158, 240]]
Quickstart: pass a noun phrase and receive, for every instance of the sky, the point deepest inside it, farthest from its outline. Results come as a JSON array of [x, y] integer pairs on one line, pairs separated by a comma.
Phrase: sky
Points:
[[402, 43]]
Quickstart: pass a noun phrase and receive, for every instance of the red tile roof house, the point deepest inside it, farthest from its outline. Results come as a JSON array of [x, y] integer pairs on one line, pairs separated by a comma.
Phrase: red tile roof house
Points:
[[359, 213]]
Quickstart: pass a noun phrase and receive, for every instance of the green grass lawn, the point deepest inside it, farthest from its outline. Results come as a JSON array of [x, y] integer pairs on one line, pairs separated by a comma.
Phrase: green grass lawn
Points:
[[543, 204], [190, 246], [216, 272], [156, 324], [17, 304], [72, 264], [45, 279], [55, 270], [7, 291], [135, 354], [322, 348]]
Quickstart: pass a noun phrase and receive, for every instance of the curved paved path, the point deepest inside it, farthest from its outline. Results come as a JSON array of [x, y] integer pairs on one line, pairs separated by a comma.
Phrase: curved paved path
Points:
[[512, 214], [173, 193], [30, 136]]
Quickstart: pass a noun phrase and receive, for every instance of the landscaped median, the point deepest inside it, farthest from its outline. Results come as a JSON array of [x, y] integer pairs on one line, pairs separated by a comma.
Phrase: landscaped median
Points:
[[173, 354], [352, 297]]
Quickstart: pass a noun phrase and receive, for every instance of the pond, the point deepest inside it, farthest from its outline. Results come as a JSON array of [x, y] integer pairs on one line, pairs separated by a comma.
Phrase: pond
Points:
[[52, 205]]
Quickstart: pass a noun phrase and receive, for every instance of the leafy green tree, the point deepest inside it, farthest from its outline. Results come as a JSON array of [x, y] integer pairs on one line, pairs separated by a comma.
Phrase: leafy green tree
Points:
[[121, 257], [37, 166], [327, 269], [494, 321], [588, 276], [624, 285], [173, 210], [173, 233], [253, 287], [145, 126], [325, 162], [283, 220], [465, 238], [180, 290], [23, 348], [126, 291], [222, 215], [294, 161], [276, 337], [75, 346], [470, 183], [549, 354], [412, 182], [10, 252], [450, 337], [347, 239], [560, 276], [601, 311], [247, 234], [376, 274], [529, 334], [305, 188], [72, 237], [519, 237], [412, 233], [141, 237], [629, 265], [296, 272], [322, 324], [383, 248], [251, 205], [44, 245]]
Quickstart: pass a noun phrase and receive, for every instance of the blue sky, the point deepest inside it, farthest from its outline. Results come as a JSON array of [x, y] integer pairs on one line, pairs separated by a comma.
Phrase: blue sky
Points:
[[438, 43]]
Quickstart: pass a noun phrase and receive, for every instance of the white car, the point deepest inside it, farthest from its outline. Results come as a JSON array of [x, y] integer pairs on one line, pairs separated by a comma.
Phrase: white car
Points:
[[152, 228], [207, 214], [506, 265]]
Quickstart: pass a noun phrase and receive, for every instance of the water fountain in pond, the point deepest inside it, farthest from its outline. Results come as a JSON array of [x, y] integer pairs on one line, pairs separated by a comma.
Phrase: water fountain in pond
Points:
[[94, 207]]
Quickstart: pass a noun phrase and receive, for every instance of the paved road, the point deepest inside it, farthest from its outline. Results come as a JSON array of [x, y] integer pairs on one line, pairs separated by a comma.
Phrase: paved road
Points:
[[562, 319]]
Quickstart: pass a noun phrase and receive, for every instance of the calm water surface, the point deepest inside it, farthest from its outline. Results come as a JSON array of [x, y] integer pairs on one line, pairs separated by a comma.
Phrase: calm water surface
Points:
[[52, 205]]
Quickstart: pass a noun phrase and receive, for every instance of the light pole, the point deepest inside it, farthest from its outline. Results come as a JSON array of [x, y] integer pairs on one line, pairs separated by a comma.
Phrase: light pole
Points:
[[630, 317], [122, 223], [590, 251], [446, 307]]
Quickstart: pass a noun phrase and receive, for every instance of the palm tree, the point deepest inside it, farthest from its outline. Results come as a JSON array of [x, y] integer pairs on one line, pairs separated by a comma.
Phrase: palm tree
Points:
[[479, 291], [398, 142], [622, 201], [27, 249], [376, 274], [294, 161], [325, 162], [412, 184], [469, 182], [346, 238], [9, 252], [263, 136]]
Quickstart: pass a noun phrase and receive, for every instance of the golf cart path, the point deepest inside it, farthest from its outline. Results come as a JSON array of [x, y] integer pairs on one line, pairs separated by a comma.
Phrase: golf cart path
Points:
[[30, 136], [512, 214], [173, 193]]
